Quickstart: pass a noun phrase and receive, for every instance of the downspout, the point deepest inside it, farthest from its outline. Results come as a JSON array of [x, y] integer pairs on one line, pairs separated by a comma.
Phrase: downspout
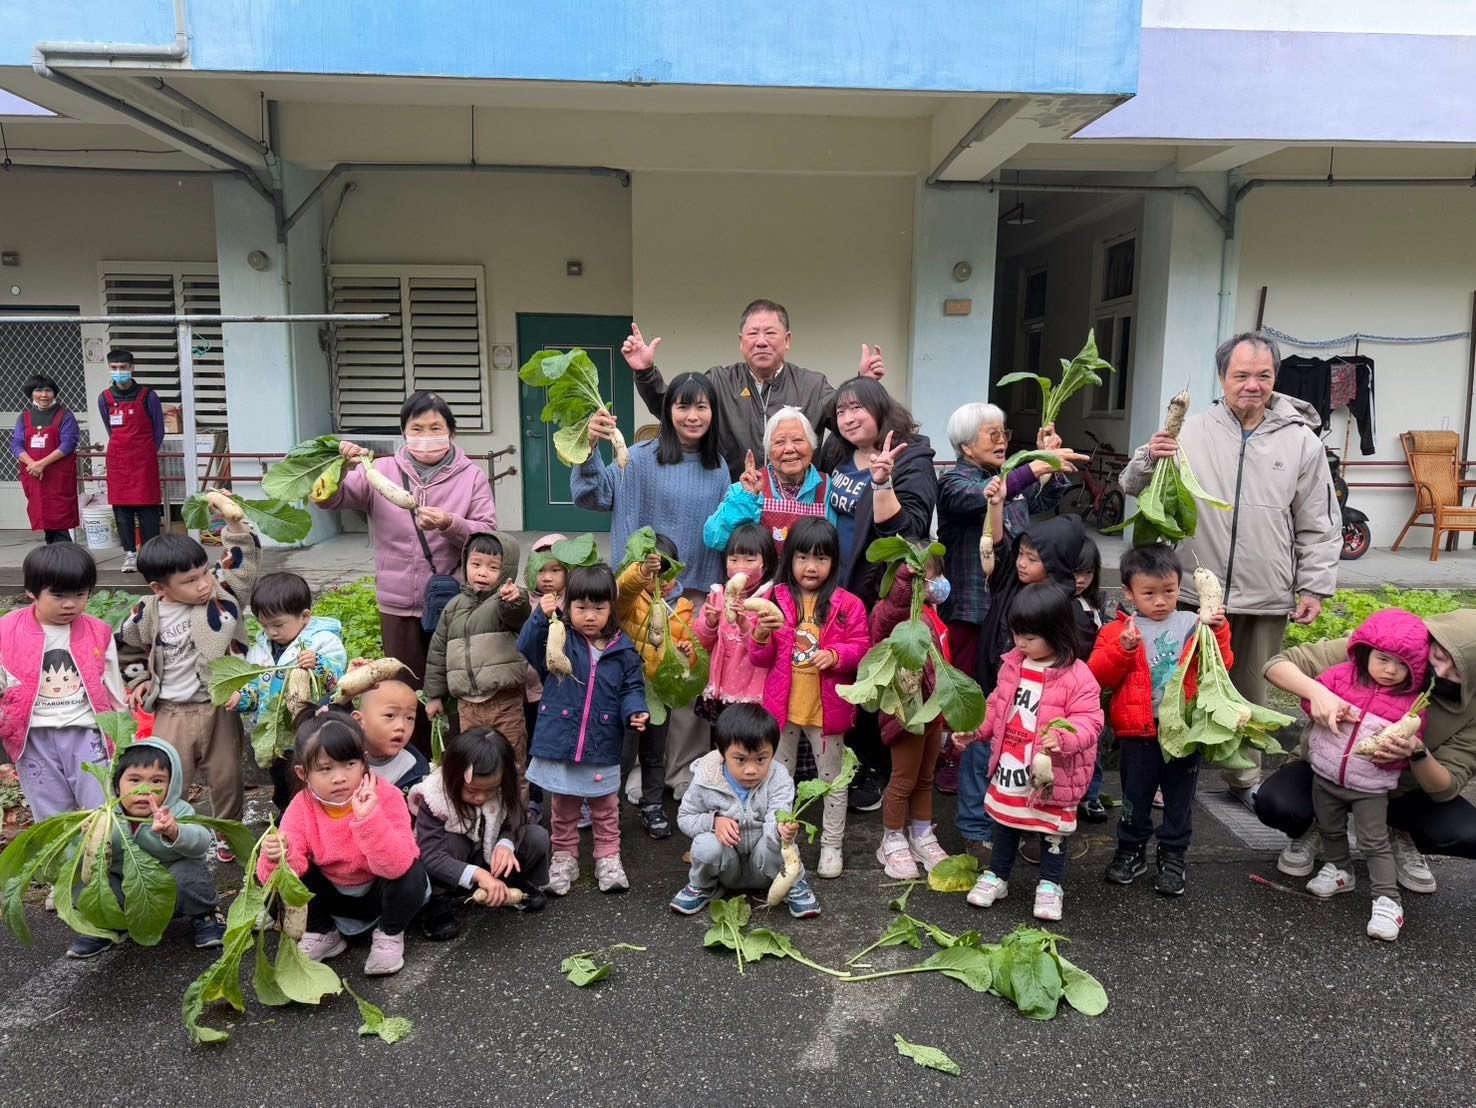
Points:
[[1342, 182], [284, 254]]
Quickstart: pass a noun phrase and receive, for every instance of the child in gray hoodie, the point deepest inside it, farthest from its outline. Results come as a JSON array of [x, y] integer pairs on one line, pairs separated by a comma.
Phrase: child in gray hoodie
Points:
[[730, 812]]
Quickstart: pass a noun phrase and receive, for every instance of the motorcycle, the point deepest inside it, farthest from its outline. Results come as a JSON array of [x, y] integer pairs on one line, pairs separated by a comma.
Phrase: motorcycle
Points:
[[1357, 537]]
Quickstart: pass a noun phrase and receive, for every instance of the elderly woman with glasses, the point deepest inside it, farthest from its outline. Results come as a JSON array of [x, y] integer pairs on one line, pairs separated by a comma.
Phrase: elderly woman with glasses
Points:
[[981, 442]]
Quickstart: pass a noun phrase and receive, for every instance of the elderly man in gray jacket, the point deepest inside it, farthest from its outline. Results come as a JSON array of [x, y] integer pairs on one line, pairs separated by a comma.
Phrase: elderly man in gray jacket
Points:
[[1276, 550], [748, 392]]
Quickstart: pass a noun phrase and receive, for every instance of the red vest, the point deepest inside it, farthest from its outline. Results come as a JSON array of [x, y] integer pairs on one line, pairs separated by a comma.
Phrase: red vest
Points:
[[22, 646]]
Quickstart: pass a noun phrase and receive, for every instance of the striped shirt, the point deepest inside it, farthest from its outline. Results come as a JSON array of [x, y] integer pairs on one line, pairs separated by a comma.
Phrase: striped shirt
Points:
[[1011, 798]]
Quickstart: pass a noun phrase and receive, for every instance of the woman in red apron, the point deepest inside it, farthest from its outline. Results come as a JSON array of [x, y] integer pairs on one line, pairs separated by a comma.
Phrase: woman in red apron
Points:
[[44, 444], [135, 422]]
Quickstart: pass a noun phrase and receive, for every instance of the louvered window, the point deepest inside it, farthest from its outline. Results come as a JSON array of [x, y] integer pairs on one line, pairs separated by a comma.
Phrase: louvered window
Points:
[[167, 288], [435, 339]]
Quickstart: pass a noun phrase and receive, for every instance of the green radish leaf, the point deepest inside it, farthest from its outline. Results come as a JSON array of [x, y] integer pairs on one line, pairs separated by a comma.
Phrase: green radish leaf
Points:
[[229, 675], [265, 978], [888, 549], [582, 971], [911, 642], [119, 727], [148, 894], [902, 931], [274, 734], [761, 942], [96, 901], [571, 443], [929, 1056], [96, 834], [956, 696], [302, 979], [1025, 457], [1081, 990], [389, 1028], [291, 480], [1015, 378], [955, 874], [968, 964], [240, 838], [1190, 482]]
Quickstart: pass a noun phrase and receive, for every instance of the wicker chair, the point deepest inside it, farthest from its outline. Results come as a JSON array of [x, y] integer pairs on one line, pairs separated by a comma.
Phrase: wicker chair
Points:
[[1439, 490]]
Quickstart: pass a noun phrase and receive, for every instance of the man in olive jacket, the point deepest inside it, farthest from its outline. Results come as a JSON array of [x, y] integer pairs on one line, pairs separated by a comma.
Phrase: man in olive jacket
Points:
[[750, 390], [1426, 810], [1276, 550]]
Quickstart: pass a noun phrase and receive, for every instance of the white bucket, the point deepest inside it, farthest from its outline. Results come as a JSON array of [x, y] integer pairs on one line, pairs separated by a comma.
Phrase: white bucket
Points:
[[97, 521]]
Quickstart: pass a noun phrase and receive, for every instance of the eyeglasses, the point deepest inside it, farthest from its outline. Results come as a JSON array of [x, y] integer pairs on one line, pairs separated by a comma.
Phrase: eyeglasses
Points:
[[998, 434]]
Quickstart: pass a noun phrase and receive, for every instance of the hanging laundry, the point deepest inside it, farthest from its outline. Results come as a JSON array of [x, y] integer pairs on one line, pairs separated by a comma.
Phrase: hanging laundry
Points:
[[1307, 379]]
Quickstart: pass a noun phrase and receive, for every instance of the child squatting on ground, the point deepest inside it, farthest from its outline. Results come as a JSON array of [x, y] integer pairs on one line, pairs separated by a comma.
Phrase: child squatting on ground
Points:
[[730, 813], [1133, 660], [290, 635], [1388, 656], [143, 774], [1045, 702], [582, 718], [347, 834], [195, 616], [60, 669]]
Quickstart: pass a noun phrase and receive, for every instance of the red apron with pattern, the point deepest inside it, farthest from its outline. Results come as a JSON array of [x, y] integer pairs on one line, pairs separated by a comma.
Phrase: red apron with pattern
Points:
[[51, 499], [778, 515], [133, 459]]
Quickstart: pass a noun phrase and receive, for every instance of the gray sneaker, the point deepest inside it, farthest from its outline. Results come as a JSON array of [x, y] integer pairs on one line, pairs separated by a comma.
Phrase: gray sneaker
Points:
[[563, 871], [610, 875], [1298, 858], [130, 563], [1411, 870]]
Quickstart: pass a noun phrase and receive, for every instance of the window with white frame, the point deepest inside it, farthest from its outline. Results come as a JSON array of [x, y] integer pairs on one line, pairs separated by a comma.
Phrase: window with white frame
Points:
[[1115, 307], [169, 288], [1023, 396], [434, 339]]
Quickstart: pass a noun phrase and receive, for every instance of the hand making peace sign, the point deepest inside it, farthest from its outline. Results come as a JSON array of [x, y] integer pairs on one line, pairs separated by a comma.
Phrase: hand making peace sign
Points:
[[639, 354], [882, 463], [752, 477]]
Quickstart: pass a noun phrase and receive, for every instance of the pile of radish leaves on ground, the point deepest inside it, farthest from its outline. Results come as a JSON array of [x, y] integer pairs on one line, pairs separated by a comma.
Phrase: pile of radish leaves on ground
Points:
[[73, 852]]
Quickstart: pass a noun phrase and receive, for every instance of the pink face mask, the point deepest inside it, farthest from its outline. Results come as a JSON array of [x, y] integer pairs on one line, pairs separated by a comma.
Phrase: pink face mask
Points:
[[428, 448]]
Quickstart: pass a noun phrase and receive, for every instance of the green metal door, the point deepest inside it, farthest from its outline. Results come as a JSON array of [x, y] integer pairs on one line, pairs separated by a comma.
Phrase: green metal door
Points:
[[547, 505]]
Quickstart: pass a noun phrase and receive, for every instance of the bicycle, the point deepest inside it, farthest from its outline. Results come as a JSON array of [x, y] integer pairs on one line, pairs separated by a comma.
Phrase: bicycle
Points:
[[1097, 498]]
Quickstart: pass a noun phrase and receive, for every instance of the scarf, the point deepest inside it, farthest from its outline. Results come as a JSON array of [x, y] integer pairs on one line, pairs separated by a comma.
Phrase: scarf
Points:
[[428, 471], [486, 827]]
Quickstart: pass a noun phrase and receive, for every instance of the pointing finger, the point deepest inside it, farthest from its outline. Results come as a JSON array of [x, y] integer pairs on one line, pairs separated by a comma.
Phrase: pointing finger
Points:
[[635, 331]]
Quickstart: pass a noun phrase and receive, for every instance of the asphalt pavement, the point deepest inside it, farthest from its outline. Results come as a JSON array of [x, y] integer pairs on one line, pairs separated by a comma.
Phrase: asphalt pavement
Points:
[[1235, 994]]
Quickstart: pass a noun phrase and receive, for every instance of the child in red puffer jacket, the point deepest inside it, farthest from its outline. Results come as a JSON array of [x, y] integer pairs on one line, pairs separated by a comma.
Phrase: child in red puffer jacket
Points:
[[1041, 684]]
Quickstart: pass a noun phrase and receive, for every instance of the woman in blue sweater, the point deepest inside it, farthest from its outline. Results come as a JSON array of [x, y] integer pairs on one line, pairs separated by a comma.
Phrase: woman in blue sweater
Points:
[[672, 484]]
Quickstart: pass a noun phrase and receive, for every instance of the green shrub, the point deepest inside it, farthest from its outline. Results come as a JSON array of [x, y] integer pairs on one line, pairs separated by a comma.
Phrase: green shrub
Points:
[[356, 607], [1349, 607]]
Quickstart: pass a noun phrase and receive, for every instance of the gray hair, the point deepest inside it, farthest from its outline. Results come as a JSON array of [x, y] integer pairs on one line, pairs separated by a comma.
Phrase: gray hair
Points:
[[1255, 338], [964, 423], [782, 416]]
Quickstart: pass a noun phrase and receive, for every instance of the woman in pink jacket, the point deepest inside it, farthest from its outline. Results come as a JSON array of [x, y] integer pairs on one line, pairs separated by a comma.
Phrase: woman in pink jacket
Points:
[[1045, 708], [1388, 656], [812, 646], [455, 502]]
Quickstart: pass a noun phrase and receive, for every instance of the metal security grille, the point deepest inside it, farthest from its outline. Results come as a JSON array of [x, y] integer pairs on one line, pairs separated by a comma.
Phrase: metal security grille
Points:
[[434, 339], [54, 349], [162, 289]]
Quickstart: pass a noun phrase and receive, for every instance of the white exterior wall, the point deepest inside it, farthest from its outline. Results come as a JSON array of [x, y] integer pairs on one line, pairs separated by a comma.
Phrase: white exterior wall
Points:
[[836, 251], [1384, 261], [62, 226]]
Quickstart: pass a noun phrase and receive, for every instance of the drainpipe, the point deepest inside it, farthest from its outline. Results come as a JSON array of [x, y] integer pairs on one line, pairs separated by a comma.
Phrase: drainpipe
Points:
[[193, 105], [124, 51], [1342, 182], [121, 171]]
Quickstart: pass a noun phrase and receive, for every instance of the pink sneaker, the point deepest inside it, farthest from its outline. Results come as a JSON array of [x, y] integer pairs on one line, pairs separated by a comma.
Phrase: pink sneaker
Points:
[[322, 945], [925, 849], [896, 858], [386, 954]]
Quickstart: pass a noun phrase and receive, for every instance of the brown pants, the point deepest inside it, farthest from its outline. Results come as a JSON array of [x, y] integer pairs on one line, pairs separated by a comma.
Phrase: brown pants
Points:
[[909, 794], [1254, 640], [405, 640], [208, 742], [503, 713]]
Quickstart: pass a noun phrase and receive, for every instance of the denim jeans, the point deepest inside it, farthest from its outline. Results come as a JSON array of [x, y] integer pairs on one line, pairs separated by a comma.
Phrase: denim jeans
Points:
[[973, 779]]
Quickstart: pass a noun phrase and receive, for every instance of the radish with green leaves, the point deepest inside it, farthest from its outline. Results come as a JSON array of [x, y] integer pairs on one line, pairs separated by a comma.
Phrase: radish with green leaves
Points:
[[573, 384], [1167, 510], [1083, 370], [805, 794]]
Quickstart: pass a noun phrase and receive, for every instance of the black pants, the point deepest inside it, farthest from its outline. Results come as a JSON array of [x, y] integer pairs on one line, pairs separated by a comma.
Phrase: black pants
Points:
[[284, 781], [392, 902], [874, 755], [1007, 841], [530, 848], [1144, 771], [58, 536], [1284, 801], [146, 519], [650, 746]]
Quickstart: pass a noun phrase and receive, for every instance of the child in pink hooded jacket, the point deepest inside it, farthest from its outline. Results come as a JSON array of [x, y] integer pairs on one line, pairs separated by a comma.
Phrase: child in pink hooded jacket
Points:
[[724, 633], [1388, 656], [1041, 683]]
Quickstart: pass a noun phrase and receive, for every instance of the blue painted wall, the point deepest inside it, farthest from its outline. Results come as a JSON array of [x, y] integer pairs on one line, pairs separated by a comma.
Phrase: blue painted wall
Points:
[[1048, 46]]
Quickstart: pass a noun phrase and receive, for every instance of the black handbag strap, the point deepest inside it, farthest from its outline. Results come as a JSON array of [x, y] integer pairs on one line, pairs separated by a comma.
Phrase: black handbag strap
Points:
[[419, 534]]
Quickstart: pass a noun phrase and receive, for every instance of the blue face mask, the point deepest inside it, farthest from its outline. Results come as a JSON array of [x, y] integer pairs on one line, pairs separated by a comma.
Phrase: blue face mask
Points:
[[939, 589], [122, 378]]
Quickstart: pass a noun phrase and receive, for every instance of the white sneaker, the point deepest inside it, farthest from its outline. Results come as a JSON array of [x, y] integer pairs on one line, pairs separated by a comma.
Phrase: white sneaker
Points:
[[1410, 866], [563, 871], [926, 849], [1298, 858], [50, 904], [130, 563], [830, 862], [610, 875], [1386, 919], [1330, 881], [1048, 898], [987, 890], [896, 857]]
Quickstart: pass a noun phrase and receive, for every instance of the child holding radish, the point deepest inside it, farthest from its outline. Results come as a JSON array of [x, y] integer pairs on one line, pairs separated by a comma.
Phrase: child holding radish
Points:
[[347, 834], [731, 814], [1134, 659], [809, 639], [472, 835], [582, 717], [724, 626], [650, 607], [1388, 656], [290, 635], [1043, 720]]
